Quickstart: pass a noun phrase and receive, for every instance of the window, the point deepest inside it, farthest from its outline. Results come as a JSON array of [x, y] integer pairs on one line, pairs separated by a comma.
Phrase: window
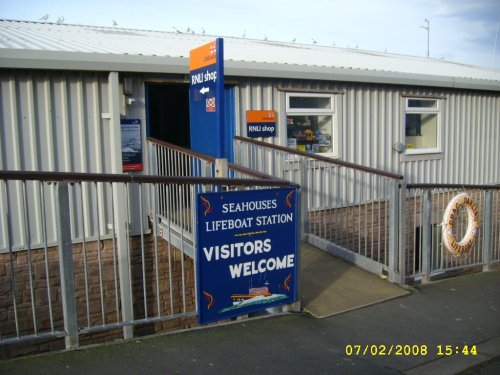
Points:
[[422, 126], [310, 123]]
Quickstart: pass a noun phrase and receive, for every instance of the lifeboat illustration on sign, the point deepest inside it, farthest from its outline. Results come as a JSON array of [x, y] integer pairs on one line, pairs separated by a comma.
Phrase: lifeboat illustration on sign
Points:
[[252, 293]]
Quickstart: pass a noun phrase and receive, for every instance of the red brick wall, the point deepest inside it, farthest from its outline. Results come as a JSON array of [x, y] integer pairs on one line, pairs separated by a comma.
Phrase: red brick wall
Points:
[[97, 268]]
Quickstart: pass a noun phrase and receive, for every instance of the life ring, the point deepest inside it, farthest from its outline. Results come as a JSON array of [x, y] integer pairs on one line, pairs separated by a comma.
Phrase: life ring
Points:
[[459, 248]]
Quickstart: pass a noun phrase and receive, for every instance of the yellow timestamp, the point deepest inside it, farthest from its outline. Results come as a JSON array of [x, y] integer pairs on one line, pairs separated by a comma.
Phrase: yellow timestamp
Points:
[[448, 350], [409, 350]]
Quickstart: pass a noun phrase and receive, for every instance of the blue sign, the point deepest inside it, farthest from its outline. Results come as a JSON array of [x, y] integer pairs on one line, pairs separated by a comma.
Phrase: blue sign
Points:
[[247, 252], [261, 124], [206, 99], [131, 144]]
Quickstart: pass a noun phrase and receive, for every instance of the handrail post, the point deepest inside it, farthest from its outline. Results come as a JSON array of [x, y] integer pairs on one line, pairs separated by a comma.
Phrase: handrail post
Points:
[[488, 230], [402, 233], [221, 169], [393, 230], [304, 218], [397, 227], [426, 236], [66, 266]]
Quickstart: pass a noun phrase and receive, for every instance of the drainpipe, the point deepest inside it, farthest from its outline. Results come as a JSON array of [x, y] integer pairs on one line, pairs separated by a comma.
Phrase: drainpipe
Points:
[[119, 199]]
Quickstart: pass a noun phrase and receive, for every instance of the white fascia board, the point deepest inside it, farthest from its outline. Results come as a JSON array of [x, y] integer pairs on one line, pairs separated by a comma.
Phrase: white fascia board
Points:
[[60, 60], [233, 68]]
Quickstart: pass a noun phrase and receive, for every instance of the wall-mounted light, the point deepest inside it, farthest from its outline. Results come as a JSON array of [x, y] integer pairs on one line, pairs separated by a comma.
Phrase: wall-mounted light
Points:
[[399, 147]]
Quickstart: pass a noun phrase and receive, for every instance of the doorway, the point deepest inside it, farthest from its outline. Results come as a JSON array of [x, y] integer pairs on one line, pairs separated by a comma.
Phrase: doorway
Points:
[[168, 112]]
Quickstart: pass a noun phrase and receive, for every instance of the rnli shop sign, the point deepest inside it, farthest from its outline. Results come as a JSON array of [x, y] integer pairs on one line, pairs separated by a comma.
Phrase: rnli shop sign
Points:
[[261, 124], [247, 252], [206, 98]]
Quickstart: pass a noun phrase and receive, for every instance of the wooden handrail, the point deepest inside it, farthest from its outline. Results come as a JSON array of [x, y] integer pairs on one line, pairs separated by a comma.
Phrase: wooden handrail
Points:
[[182, 149], [453, 186], [232, 166], [322, 158]]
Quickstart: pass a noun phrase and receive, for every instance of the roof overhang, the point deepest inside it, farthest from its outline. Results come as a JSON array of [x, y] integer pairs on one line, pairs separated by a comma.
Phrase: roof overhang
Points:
[[59, 60]]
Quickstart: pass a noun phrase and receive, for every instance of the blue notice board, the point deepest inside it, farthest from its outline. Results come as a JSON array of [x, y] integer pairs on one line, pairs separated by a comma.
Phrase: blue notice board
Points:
[[206, 99], [247, 256]]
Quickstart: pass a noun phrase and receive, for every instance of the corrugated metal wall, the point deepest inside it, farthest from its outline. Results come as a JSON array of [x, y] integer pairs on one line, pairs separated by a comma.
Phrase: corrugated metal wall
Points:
[[52, 121], [371, 120]]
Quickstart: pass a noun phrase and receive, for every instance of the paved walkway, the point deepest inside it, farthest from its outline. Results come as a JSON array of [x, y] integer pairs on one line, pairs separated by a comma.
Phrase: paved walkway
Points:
[[412, 331]]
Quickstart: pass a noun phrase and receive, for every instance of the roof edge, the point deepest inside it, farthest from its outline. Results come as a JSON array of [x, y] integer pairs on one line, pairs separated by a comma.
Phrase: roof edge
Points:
[[65, 60]]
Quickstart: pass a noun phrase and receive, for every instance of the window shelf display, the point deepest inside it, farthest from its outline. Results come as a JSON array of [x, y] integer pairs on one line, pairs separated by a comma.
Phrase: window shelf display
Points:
[[310, 133]]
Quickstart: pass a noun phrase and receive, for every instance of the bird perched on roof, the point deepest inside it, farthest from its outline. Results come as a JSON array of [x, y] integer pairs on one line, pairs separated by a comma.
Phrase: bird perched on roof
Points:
[[314, 42], [60, 20], [115, 23], [294, 40], [203, 31], [44, 18], [175, 29]]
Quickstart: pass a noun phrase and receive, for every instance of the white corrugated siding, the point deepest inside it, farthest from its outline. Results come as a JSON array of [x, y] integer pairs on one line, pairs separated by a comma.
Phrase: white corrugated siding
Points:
[[371, 121], [52, 122]]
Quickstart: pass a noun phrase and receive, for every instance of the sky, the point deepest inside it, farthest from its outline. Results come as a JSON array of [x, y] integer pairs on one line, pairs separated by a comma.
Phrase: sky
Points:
[[465, 31]]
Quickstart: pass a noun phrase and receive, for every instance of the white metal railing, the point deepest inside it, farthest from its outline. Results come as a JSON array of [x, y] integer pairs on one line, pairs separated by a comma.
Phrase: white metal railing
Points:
[[347, 209], [426, 255], [175, 203], [372, 218], [113, 279]]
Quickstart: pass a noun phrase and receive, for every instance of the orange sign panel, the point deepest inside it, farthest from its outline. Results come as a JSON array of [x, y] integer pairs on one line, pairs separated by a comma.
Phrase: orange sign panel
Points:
[[261, 116], [203, 56]]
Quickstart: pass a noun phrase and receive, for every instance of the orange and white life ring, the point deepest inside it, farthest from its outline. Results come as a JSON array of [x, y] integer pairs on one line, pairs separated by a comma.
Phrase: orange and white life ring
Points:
[[466, 243]]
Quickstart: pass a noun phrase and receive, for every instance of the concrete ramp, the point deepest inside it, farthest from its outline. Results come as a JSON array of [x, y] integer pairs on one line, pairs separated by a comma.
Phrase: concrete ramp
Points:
[[329, 285]]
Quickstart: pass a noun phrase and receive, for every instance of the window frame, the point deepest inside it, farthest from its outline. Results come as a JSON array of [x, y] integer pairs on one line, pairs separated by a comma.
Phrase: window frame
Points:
[[309, 110], [424, 110], [319, 112]]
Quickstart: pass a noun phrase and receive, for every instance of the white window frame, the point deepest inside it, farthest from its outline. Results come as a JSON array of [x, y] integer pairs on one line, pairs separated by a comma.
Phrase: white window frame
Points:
[[317, 111], [430, 110]]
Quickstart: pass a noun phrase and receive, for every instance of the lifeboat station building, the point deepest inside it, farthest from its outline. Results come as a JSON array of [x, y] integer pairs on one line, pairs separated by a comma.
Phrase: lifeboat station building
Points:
[[99, 156]]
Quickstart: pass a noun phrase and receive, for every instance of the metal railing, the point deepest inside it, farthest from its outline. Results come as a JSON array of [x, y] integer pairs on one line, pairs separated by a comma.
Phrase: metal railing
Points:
[[426, 255], [175, 204], [111, 279], [372, 219], [348, 209]]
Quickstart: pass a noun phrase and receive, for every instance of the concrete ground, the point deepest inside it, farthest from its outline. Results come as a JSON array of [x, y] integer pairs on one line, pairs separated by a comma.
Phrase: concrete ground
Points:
[[403, 335]]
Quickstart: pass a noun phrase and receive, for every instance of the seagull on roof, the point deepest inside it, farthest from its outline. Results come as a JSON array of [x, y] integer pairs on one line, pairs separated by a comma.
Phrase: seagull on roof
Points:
[[175, 29], [203, 31], [244, 34], [314, 42], [265, 37], [44, 18], [60, 20], [294, 40], [115, 23]]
